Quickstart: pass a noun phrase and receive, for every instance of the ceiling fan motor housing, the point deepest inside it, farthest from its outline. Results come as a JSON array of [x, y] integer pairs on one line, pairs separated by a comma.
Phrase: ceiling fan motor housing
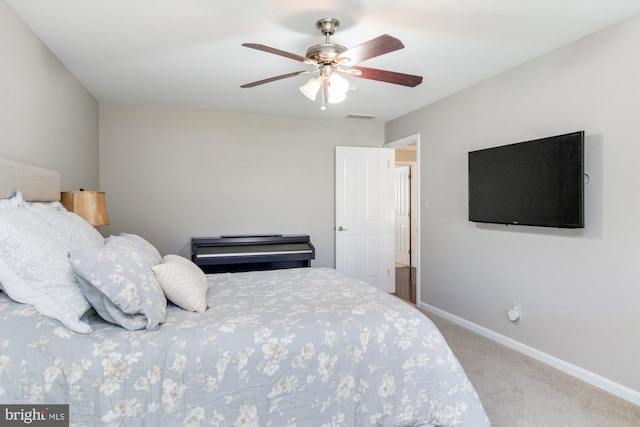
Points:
[[325, 53]]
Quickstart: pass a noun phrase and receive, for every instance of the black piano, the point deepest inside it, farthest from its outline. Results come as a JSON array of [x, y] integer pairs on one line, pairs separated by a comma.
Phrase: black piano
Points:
[[249, 253]]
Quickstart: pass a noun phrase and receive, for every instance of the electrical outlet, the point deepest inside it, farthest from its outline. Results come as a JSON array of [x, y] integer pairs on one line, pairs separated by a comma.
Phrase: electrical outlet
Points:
[[517, 307], [515, 313]]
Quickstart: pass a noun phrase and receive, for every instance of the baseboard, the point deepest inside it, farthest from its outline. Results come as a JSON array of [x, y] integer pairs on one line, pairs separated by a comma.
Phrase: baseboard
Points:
[[589, 377]]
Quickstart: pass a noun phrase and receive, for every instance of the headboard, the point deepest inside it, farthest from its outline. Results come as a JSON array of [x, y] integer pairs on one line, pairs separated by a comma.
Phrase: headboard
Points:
[[36, 184]]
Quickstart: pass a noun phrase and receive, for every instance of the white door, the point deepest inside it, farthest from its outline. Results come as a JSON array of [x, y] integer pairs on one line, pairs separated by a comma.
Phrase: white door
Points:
[[402, 208], [364, 215]]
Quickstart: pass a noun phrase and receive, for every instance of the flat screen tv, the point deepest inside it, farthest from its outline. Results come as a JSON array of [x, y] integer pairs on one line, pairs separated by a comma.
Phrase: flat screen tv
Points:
[[536, 183]]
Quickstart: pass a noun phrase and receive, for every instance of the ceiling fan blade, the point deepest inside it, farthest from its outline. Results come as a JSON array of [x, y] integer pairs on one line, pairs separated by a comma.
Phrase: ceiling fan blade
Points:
[[275, 51], [374, 47], [386, 76], [273, 79]]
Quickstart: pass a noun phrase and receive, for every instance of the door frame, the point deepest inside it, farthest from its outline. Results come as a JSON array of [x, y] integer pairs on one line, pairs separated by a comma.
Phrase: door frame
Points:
[[415, 138]]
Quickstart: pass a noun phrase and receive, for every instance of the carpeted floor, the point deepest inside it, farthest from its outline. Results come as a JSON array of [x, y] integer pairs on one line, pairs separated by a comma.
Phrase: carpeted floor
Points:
[[518, 391]]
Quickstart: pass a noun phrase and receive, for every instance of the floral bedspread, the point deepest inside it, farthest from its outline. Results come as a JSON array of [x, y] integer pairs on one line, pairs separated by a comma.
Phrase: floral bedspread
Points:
[[283, 348]]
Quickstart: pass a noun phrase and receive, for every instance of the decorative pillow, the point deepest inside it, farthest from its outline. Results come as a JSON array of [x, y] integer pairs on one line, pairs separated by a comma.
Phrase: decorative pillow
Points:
[[183, 283], [82, 234], [35, 269], [118, 282]]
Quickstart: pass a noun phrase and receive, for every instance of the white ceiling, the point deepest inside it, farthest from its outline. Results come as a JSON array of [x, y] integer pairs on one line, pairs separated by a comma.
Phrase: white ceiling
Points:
[[188, 53]]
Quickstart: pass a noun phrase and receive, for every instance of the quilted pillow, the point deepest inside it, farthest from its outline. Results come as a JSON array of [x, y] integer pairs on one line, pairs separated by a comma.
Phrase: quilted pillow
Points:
[[118, 282], [82, 234], [46, 206], [35, 269], [12, 202], [183, 283]]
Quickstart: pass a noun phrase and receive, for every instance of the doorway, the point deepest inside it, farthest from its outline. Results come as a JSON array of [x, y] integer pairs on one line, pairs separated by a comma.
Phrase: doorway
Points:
[[406, 230], [402, 212]]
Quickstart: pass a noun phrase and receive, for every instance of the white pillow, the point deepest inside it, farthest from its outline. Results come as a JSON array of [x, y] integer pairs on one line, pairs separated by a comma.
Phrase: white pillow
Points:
[[14, 201], [35, 269], [49, 206], [75, 228], [183, 283]]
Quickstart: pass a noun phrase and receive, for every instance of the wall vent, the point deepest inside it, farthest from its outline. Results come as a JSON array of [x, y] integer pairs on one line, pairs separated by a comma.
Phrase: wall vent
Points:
[[360, 116]]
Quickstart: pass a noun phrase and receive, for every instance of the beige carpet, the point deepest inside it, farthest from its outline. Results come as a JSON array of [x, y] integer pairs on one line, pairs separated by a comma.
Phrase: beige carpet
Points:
[[518, 391]]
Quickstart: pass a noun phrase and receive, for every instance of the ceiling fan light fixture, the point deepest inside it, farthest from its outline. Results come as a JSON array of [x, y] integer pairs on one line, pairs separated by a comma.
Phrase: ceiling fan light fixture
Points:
[[338, 87], [335, 98], [311, 87], [338, 83]]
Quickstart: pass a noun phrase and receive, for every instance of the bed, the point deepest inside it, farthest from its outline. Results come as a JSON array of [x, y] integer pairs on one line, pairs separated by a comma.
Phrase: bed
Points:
[[287, 347]]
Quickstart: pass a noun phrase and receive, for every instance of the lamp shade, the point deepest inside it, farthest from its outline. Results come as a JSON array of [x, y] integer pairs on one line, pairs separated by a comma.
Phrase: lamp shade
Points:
[[310, 88], [338, 87], [90, 205]]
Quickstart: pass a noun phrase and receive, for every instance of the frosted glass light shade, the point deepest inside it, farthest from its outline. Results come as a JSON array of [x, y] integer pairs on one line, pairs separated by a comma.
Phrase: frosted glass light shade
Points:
[[338, 87], [310, 88]]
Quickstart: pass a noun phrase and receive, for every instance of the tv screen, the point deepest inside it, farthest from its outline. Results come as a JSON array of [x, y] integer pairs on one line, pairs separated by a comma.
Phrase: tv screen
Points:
[[538, 183]]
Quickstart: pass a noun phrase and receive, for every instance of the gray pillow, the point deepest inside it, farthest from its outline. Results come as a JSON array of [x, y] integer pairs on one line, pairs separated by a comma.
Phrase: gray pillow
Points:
[[142, 246], [118, 281]]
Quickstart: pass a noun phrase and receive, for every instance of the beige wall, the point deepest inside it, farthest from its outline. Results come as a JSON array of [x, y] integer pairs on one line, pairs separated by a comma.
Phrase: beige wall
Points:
[[47, 117], [171, 174], [579, 289]]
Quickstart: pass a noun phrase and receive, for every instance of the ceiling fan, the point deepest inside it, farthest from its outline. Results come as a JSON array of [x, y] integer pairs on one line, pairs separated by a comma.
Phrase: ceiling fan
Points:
[[330, 60]]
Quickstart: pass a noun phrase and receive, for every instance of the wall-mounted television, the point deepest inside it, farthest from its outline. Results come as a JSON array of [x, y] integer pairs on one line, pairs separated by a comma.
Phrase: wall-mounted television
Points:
[[536, 183]]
